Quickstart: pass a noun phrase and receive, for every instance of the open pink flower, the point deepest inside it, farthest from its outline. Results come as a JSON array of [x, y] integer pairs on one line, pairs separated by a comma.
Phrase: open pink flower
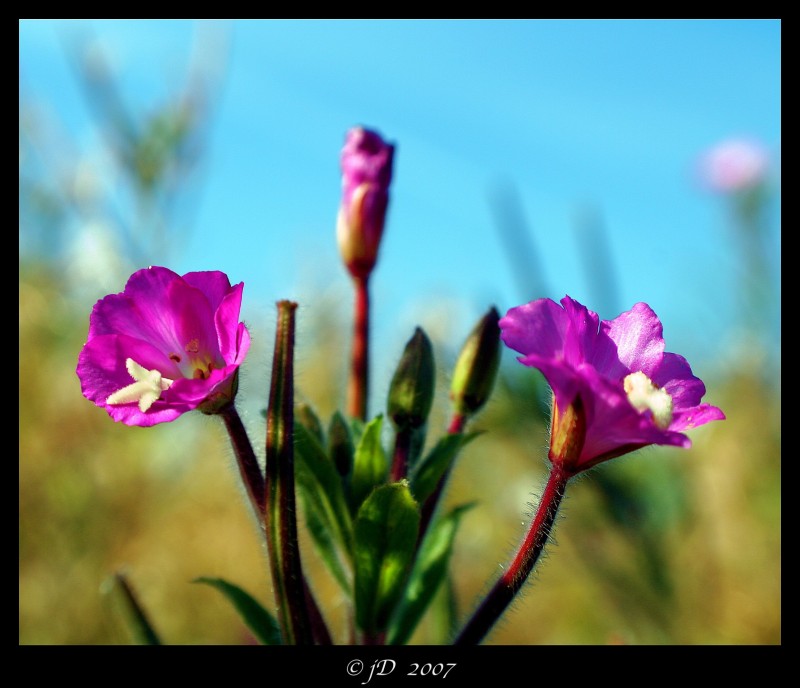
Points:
[[164, 346], [615, 388], [366, 174]]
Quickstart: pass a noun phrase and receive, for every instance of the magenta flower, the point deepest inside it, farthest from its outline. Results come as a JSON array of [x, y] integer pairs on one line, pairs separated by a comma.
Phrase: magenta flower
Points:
[[366, 174], [164, 346], [615, 388]]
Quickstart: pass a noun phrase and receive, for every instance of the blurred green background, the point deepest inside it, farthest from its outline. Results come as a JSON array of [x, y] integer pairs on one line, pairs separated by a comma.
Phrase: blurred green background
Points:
[[659, 547]]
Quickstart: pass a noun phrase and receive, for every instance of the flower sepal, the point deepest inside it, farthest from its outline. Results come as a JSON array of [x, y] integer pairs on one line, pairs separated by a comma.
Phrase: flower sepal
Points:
[[567, 436], [222, 397]]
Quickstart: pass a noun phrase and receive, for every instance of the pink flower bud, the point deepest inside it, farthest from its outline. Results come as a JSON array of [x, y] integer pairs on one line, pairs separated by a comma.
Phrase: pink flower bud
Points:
[[366, 174]]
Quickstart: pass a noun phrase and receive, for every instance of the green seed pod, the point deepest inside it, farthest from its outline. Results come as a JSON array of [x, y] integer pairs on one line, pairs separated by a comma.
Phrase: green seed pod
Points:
[[411, 390]]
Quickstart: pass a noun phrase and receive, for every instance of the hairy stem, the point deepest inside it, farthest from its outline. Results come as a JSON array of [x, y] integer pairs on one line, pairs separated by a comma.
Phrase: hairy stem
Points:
[[280, 514], [249, 469], [504, 591]]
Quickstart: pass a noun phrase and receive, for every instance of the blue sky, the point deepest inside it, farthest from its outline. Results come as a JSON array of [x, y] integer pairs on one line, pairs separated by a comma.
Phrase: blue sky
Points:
[[599, 116]]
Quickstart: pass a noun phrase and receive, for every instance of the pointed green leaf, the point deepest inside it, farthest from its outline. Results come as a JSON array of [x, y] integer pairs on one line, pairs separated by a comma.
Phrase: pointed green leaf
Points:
[[320, 531], [319, 483], [135, 616], [370, 464], [430, 569], [436, 463], [386, 531], [256, 617]]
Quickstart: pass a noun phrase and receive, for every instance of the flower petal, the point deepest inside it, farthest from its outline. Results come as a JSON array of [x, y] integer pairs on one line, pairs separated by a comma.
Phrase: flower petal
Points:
[[612, 423], [675, 376], [102, 372], [638, 336], [213, 283], [188, 314], [226, 321], [138, 311], [536, 328], [581, 338]]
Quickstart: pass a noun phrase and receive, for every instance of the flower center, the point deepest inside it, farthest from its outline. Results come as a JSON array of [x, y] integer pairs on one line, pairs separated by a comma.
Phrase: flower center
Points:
[[644, 395], [146, 389], [195, 363]]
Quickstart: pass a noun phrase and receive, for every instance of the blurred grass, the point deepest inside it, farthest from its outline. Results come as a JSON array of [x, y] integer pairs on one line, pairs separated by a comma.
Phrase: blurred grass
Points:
[[661, 547]]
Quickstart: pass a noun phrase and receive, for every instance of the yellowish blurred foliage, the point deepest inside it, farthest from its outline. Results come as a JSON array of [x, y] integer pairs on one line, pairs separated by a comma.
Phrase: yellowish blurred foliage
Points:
[[661, 547]]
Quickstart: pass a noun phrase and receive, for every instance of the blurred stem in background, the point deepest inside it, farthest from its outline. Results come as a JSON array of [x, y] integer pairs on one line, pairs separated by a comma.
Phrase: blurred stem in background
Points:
[[129, 204], [516, 238], [741, 171], [90, 212]]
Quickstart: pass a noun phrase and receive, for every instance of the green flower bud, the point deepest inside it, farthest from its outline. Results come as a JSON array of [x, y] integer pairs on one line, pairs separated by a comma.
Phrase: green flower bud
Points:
[[476, 368], [305, 415], [340, 444], [411, 390]]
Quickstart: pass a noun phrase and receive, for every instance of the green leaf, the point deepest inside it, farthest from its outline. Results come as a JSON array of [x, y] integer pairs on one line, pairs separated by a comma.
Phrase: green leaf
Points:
[[386, 532], [135, 616], [430, 569], [437, 462], [258, 619], [370, 465], [320, 485], [320, 531]]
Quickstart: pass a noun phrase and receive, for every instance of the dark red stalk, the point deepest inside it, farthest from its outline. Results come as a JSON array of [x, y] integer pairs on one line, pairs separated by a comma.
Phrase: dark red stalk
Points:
[[358, 384], [500, 596]]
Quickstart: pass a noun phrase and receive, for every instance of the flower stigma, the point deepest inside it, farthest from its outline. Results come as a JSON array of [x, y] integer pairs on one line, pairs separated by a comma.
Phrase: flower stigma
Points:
[[644, 395], [146, 389]]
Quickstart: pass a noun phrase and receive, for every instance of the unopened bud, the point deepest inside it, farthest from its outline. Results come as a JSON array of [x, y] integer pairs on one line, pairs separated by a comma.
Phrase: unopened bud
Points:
[[366, 162], [411, 390], [476, 368], [340, 444], [305, 415]]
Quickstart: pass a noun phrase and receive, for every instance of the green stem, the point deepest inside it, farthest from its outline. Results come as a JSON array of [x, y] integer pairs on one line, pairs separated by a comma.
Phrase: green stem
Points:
[[281, 513], [504, 591]]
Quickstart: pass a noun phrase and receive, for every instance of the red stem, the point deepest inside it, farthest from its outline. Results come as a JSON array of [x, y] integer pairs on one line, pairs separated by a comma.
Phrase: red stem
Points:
[[359, 371], [252, 477], [503, 592], [457, 424], [402, 447]]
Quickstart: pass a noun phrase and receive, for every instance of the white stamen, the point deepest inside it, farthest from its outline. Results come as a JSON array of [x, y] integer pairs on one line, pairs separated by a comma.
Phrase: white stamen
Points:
[[644, 395], [146, 390]]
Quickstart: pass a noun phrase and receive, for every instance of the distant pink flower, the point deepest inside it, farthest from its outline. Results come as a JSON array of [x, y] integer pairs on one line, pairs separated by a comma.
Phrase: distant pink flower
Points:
[[615, 388], [734, 165], [366, 175], [164, 346]]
